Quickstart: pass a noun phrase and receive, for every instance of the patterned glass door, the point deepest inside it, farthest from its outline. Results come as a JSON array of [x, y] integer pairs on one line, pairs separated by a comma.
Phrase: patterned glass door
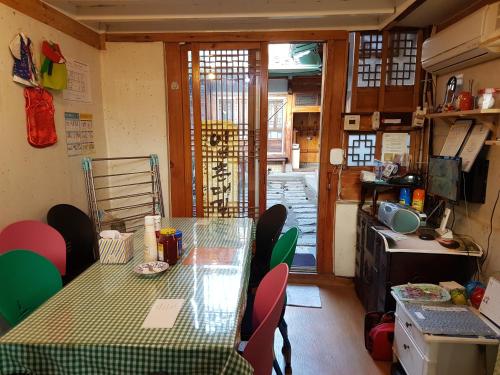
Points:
[[226, 128]]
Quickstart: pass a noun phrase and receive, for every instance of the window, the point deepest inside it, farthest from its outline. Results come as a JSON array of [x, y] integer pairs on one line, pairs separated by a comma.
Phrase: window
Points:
[[402, 59], [276, 124], [361, 150], [370, 60]]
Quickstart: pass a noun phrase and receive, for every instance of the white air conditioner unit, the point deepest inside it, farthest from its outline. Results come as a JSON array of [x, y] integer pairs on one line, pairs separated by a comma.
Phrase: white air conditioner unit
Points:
[[472, 40]]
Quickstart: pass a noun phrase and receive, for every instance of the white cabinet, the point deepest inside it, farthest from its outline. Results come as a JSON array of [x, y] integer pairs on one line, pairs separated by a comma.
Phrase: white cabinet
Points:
[[423, 354]]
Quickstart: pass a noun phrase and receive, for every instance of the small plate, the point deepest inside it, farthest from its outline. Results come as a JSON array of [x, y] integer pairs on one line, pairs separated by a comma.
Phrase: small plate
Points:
[[151, 268]]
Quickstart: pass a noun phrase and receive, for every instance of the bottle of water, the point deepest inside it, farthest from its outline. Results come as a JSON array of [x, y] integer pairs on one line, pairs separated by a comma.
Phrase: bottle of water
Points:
[[150, 246]]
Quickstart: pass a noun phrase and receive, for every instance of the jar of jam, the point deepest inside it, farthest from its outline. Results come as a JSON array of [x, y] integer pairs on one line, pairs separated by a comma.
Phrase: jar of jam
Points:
[[170, 246]]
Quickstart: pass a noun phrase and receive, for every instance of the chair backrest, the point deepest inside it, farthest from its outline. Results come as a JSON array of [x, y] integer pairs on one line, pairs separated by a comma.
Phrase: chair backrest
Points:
[[268, 231], [269, 302], [31, 279], [79, 234], [284, 250], [37, 237]]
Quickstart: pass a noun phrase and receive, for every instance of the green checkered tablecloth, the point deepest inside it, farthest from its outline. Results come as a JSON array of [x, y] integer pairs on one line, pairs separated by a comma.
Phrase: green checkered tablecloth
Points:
[[93, 326]]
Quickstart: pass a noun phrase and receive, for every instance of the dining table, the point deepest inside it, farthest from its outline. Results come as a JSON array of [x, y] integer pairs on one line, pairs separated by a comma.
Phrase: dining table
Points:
[[94, 325]]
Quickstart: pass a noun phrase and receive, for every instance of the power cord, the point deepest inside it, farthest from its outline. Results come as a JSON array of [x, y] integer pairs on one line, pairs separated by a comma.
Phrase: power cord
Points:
[[486, 253]]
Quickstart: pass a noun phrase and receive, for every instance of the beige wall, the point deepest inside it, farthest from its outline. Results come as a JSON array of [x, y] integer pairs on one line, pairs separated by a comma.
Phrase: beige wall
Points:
[[133, 88], [478, 223], [31, 179]]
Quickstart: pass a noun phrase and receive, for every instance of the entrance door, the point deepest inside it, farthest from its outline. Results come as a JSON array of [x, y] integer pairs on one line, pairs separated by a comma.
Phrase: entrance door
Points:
[[225, 85]]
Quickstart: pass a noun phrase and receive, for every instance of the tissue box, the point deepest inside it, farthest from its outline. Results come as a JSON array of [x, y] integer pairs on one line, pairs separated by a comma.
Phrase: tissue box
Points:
[[116, 251]]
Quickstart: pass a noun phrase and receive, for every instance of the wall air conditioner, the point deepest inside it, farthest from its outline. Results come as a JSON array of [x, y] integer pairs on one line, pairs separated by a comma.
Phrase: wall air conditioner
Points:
[[472, 40]]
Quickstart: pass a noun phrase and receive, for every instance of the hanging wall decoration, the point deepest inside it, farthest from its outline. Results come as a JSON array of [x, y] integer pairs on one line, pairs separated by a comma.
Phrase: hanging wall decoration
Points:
[[54, 74], [40, 117], [24, 70]]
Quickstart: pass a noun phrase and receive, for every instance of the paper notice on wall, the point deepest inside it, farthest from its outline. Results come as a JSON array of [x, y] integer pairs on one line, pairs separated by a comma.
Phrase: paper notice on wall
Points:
[[473, 145], [456, 136], [79, 133], [78, 87], [395, 148]]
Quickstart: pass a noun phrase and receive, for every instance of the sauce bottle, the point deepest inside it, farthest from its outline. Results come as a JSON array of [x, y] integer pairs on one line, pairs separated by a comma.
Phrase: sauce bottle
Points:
[[170, 246], [178, 237], [162, 244]]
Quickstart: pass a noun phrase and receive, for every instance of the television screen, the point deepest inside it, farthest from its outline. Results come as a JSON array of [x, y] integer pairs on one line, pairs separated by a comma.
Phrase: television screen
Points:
[[444, 177]]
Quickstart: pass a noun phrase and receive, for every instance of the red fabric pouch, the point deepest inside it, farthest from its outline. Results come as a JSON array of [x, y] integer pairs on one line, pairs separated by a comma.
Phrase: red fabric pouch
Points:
[[40, 117]]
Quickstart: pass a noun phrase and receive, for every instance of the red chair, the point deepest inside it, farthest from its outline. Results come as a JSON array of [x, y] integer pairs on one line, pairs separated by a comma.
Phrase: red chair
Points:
[[269, 301], [37, 237]]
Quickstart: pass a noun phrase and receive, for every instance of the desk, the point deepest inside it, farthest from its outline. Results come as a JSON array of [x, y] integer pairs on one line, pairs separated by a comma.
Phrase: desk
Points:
[[424, 354], [93, 326]]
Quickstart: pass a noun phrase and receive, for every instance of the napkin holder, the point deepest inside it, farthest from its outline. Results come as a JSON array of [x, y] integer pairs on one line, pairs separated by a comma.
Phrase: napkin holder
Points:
[[116, 251]]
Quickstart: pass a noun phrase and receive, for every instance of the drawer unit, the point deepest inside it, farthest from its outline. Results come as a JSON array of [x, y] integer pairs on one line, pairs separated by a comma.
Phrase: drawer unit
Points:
[[411, 330], [410, 357]]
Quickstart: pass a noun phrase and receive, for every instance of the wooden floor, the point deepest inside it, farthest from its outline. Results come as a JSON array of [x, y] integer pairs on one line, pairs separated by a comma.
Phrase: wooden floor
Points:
[[329, 341]]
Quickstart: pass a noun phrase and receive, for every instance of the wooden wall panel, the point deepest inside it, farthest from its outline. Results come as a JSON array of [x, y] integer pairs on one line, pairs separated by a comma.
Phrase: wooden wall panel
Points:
[[180, 189], [52, 17]]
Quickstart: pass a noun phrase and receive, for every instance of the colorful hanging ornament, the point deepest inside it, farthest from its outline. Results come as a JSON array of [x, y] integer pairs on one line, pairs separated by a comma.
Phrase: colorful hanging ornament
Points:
[[24, 69], [54, 74], [40, 117]]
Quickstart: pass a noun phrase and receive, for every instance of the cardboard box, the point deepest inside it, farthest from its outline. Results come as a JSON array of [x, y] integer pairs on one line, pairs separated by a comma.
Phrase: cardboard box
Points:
[[118, 251]]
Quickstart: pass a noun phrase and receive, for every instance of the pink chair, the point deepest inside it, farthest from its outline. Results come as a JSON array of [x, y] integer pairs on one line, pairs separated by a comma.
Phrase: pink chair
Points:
[[37, 237], [269, 301]]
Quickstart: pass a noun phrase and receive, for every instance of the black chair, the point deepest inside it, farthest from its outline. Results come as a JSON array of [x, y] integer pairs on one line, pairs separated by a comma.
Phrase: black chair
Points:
[[78, 232], [267, 234]]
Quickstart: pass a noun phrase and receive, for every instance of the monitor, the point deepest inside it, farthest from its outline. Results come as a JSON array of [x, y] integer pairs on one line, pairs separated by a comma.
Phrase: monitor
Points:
[[444, 177]]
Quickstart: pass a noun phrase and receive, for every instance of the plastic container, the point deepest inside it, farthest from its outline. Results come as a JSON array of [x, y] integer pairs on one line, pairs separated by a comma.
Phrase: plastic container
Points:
[[418, 200], [162, 244], [404, 196], [178, 237], [295, 156]]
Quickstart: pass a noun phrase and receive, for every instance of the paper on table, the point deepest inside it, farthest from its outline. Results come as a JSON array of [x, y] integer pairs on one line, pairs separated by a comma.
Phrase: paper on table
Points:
[[456, 137], [163, 313]]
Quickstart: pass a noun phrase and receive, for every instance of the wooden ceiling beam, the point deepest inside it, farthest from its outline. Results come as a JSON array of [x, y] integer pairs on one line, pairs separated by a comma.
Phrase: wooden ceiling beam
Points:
[[475, 5], [390, 23], [248, 36], [58, 20]]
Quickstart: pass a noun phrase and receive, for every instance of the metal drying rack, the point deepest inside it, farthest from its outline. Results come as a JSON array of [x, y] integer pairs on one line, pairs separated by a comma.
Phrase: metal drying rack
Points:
[[121, 200]]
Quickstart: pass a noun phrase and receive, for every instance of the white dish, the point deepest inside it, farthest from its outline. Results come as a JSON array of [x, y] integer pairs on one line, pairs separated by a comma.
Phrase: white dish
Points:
[[151, 268]]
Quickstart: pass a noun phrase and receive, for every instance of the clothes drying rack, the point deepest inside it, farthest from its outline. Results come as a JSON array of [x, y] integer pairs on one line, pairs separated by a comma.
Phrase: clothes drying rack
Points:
[[120, 199]]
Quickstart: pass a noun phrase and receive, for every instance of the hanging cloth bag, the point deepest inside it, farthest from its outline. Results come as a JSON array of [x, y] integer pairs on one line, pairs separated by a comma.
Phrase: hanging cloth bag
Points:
[[53, 70], [40, 117]]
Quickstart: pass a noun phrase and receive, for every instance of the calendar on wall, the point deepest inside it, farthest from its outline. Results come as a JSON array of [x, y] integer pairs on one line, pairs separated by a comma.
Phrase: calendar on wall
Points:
[[79, 133]]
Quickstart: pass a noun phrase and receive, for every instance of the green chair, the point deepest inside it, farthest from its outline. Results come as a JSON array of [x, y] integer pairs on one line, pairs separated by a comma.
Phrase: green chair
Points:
[[27, 281], [283, 252]]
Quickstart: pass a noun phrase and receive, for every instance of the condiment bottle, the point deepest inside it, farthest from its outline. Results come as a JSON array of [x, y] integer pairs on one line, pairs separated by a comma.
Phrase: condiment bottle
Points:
[[162, 244], [157, 226], [178, 237], [150, 250], [170, 246], [418, 200]]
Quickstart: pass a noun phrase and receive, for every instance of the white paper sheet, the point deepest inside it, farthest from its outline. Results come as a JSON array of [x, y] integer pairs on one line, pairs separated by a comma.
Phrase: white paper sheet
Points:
[[473, 145], [163, 313], [395, 145], [456, 137], [78, 88]]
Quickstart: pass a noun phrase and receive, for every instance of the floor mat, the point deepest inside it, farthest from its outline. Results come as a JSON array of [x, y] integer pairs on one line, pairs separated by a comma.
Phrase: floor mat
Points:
[[304, 260], [303, 296]]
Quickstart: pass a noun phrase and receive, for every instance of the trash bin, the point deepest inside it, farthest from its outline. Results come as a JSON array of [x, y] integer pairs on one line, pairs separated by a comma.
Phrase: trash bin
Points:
[[295, 156]]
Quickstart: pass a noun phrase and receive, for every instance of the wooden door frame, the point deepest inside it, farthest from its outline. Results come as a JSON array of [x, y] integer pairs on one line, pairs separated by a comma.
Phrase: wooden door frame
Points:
[[334, 84]]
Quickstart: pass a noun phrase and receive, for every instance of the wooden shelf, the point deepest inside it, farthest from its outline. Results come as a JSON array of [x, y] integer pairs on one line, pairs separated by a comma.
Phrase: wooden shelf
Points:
[[471, 113], [492, 143], [306, 109]]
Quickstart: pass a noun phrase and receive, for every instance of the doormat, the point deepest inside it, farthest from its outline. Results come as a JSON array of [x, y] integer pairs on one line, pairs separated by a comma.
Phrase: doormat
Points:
[[303, 296], [304, 260]]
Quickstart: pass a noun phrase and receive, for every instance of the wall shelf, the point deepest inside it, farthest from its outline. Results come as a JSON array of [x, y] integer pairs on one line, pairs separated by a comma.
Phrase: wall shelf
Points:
[[492, 143], [471, 113]]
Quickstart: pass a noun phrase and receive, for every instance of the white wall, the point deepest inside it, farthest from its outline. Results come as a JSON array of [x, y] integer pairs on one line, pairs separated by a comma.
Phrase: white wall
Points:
[[134, 100], [477, 224], [31, 179], [345, 238]]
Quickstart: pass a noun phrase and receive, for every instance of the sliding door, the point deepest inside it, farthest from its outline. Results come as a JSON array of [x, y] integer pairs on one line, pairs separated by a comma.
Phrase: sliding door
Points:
[[224, 91]]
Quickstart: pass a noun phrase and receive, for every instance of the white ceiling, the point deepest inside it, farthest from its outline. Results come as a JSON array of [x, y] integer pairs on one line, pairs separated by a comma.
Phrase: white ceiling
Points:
[[231, 15]]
